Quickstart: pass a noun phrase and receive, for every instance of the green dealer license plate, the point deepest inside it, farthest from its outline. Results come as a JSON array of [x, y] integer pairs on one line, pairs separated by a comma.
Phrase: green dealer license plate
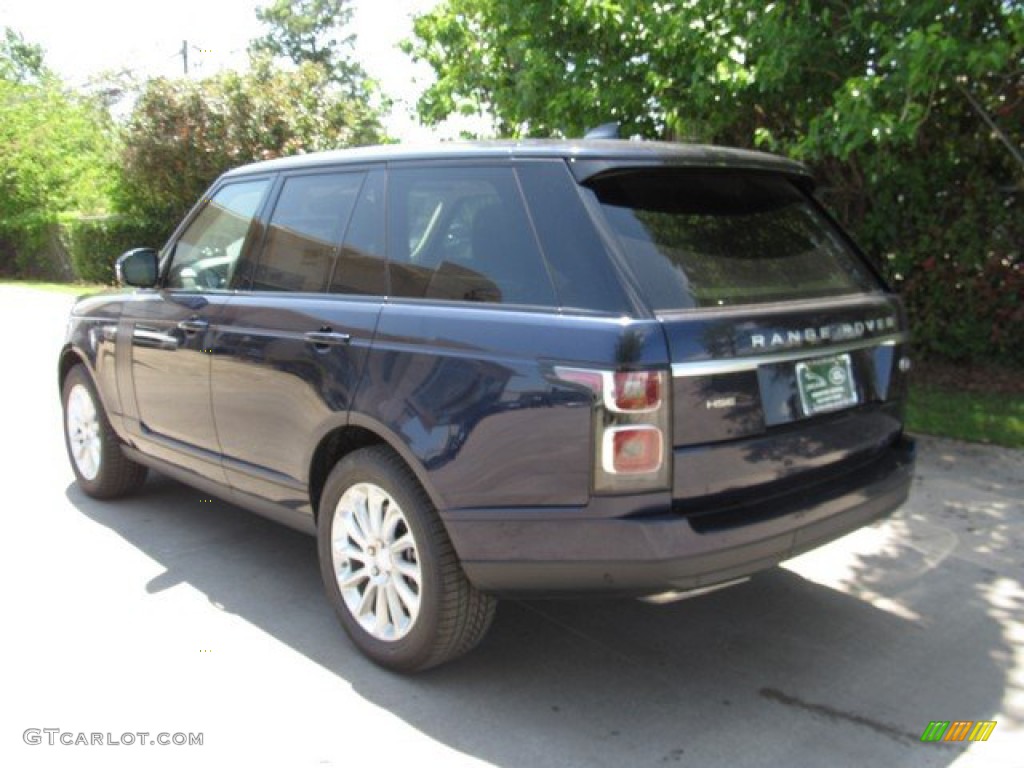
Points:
[[826, 384]]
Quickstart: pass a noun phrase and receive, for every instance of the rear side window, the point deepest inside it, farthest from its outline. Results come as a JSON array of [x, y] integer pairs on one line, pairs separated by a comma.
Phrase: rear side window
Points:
[[462, 234], [305, 230], [360, 268], [697, 239]]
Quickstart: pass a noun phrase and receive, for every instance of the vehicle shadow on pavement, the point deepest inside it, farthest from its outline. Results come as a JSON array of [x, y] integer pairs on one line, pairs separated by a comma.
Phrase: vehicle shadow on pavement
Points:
[[778, 671]]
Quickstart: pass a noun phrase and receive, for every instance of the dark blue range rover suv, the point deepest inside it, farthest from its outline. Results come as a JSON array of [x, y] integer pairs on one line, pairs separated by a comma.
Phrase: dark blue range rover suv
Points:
[[528, 368]]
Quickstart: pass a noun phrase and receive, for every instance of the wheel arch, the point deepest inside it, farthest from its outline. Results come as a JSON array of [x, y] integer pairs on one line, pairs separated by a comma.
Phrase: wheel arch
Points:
[[69, 358], [358, 433]]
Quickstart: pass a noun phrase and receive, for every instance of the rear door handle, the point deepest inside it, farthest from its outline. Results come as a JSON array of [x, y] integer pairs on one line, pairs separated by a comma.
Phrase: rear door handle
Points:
[[193, 325], [326, 338]]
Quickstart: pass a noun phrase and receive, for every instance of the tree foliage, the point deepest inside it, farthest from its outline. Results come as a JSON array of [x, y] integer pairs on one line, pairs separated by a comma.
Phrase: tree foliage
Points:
[[827, 75], [891, 102], [307, 31], [57, 157], [184, 133], [20, 60]]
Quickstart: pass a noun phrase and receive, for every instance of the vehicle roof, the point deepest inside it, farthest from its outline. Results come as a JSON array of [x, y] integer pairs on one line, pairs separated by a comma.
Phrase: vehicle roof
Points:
[[586, 157]]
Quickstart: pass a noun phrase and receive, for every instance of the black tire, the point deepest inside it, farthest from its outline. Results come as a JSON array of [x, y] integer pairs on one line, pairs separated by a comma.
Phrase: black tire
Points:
[[114, 474], [452, 615]]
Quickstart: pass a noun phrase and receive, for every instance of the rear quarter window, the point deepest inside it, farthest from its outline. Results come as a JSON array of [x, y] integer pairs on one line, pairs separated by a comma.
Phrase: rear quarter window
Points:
[[707, 239], [462, 234], [578, 259]]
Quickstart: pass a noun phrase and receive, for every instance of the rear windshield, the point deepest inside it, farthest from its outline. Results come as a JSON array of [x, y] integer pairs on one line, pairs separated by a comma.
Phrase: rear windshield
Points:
[[702, 239]]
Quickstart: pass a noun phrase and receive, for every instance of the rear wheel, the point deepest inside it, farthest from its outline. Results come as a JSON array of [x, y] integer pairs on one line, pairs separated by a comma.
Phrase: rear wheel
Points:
[[389, 568], [101, 468]]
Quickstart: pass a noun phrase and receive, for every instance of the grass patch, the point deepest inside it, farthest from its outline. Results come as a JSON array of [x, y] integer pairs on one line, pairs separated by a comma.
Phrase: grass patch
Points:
[[74, 289], [980, 417]]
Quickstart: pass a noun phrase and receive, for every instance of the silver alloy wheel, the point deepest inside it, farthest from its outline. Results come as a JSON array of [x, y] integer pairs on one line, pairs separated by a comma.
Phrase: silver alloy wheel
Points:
[[376, 562], [83, 427]]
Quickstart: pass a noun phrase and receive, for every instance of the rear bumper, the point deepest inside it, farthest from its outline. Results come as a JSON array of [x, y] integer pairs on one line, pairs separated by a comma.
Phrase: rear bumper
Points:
[[580, 550]]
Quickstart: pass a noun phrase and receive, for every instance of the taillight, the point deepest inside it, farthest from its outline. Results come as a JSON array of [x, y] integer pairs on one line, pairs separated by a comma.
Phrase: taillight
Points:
[[636, 391], [631, 423], [632, 450]]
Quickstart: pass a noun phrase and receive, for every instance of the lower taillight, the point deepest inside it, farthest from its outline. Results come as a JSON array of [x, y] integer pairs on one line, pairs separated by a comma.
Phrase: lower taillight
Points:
[[632, 450], [630, 426]]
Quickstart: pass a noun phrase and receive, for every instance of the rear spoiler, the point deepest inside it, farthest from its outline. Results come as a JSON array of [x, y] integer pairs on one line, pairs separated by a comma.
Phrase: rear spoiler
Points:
[[590, 165]]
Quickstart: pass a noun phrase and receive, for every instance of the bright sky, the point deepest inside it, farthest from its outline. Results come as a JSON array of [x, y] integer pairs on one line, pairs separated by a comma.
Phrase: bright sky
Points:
[[83, 37]]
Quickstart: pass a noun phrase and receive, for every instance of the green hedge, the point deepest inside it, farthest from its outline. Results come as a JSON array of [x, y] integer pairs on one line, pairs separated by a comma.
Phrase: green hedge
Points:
[[95, 243], [20, 249]]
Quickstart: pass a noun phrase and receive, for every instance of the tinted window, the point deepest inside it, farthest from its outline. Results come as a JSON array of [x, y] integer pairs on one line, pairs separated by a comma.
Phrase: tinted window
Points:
[[305, 229], [580, 267], [205, 256], [706, 239], [463, 234], [360, 268]]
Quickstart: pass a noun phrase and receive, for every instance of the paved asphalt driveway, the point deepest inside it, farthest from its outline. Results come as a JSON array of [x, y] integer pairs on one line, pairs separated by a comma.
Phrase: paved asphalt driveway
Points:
[[171, 613]]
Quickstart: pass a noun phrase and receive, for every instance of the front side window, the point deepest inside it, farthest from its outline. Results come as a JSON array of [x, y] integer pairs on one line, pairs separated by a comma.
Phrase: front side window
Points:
[[205, 256], [699, 239], [305, 231], [462, 234]]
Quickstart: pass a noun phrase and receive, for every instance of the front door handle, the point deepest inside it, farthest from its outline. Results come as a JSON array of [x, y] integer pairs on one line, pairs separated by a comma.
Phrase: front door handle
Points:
[[326, 338], [193, 325]]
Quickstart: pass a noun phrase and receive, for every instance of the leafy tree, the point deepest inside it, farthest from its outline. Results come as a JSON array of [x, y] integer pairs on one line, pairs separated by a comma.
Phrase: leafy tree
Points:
[[539, 69], [20, 61], [307, 31], [770, 73], [184, 133], [58, 149], [893, 103]]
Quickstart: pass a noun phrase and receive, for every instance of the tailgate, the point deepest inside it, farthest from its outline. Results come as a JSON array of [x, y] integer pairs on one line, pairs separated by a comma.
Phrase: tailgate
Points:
[[773, 393]]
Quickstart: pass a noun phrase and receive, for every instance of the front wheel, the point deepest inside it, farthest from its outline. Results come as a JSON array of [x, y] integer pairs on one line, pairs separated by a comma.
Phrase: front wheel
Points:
[[389, 568], [101, 468]]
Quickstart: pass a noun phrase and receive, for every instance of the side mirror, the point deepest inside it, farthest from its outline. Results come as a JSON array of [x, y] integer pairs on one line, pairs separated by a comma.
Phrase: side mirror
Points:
[[137, 267]]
